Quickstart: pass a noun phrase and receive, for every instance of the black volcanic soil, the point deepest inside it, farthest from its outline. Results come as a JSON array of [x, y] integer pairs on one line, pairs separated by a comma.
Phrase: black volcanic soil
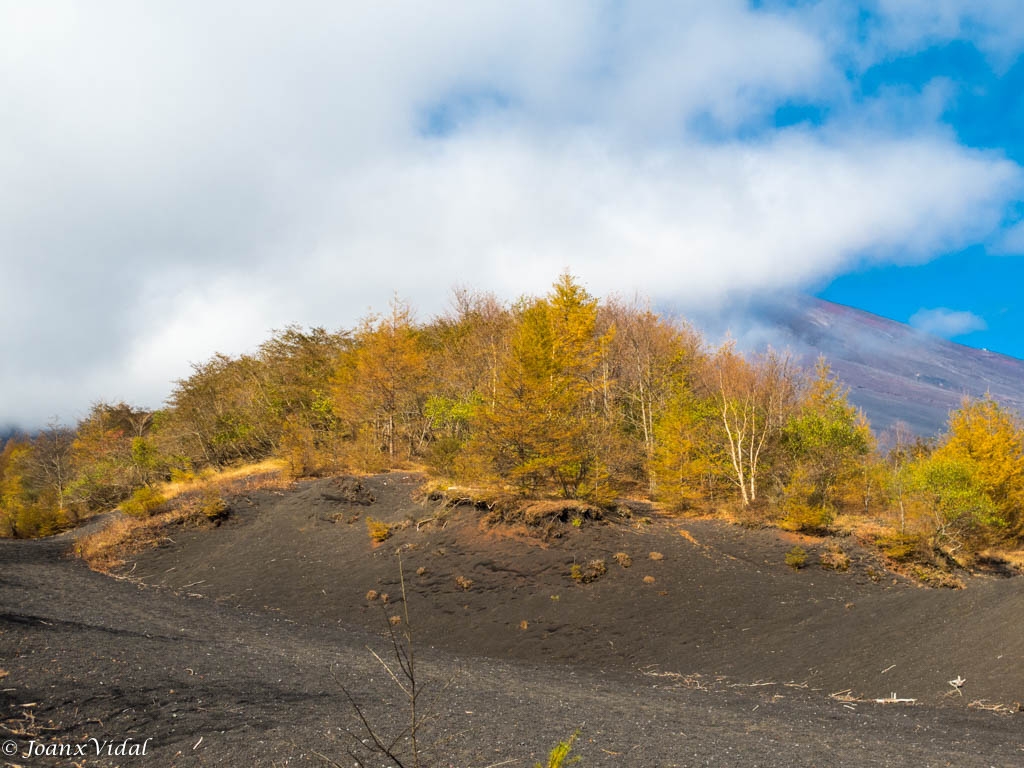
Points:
[[728, 658]]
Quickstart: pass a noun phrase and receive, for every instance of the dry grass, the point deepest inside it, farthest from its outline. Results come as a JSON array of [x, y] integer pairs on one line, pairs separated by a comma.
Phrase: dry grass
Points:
[[689, 537], [622, 559], [263, 474], [1014, 559], [194, 503], [107, 549], [649, 579], [656, 556], [834, 558], [463, 582]]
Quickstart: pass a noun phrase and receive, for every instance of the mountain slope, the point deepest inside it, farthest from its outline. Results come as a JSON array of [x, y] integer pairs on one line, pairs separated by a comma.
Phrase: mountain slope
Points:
[[894, 372]]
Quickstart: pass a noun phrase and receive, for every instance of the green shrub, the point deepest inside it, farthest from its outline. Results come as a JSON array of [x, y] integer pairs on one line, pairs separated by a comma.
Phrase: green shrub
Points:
[[796, 558], [806, 518], [182, 475], [212, 505], [144, 502], [899, 546], [559, 756]]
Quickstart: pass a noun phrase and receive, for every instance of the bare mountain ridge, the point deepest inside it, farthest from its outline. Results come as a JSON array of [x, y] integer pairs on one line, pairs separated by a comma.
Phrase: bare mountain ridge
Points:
[[894, 372]]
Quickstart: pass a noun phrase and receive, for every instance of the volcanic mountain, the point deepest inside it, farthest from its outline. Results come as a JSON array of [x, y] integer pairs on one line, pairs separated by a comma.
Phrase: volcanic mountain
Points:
[[894, 372]]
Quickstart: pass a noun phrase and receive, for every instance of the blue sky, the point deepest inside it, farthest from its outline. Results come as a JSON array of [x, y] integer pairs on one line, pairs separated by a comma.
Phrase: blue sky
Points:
[[983, 106], [179, 178]]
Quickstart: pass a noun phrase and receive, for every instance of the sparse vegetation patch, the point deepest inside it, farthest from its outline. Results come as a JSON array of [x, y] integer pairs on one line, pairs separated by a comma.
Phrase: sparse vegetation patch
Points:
[[379, 530], [834, 558], [796, 558], [585, 574]]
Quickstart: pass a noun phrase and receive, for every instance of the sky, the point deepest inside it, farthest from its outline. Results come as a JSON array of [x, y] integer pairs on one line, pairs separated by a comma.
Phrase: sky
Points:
[[182, 177]]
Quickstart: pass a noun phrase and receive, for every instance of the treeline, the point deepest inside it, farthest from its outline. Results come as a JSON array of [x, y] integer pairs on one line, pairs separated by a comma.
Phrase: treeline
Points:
[[561, 395]]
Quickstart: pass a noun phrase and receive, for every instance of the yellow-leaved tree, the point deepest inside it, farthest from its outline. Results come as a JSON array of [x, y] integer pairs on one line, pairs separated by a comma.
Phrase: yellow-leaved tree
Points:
[[988, 441], [538, 435], [381, 386]]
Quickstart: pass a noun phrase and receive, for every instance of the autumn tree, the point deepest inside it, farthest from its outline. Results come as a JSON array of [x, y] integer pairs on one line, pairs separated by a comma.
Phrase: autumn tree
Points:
[[953, 499], [14, 496], [380, 385], [30, 485], [825, 440], [537, 435], [222, 412], [987, 441], [49, 464], [465, 348], [689, 459], [113, 453], [903, 450], [297, 368], [754, 399], [650, 360]]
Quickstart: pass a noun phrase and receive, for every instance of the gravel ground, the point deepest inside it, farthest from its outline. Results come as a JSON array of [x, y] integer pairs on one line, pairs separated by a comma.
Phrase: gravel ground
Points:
[[246, 668]]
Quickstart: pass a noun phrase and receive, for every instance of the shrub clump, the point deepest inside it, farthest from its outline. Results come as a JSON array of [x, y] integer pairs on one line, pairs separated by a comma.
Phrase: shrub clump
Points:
[[379, 530], [623, 559], [900, 547], [796, 558], [144, 502], [806, 518], [592, 571], [834, 559], [212, 505]]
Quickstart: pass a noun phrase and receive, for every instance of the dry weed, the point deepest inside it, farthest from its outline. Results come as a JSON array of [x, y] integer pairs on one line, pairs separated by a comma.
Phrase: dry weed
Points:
[[379, 530], [834, 559]]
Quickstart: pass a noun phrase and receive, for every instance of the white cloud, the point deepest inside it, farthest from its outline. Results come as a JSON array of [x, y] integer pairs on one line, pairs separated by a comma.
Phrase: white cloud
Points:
[[181, 178], [874, 31], [947, 323], [1010, 241], [996, 25]]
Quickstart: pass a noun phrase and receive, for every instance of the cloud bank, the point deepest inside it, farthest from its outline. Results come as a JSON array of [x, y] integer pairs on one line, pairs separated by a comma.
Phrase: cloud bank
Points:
[[181, 178], [947, 323]]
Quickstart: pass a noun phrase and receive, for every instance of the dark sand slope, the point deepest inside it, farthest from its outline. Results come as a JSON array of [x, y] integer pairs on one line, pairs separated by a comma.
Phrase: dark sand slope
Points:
[[239, 653]]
